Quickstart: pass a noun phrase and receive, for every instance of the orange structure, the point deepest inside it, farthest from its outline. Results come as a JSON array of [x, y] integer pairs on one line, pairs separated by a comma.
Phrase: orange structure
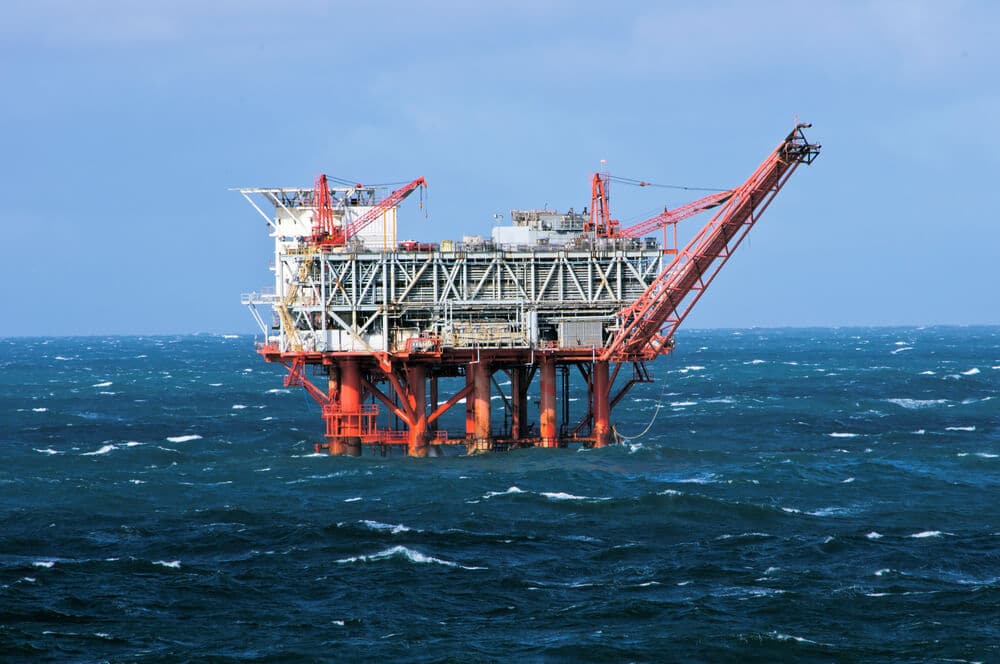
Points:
[[387, 324]]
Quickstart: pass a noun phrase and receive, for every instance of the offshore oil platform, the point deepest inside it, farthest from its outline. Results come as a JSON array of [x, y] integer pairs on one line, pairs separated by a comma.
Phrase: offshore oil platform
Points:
[[377, 322]]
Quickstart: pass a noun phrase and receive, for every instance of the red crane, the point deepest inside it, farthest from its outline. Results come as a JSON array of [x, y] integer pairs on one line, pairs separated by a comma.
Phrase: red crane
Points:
[[681, 213], [325, 232], [323, 229], [391, 201], [600, 222], [647, 326]]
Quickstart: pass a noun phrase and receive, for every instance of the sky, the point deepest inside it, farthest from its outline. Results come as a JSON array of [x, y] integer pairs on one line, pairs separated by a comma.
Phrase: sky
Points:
[[126, 124]]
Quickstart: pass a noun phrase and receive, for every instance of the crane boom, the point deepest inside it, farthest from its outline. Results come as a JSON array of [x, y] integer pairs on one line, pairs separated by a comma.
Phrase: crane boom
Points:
[[392, 200], [681, 213], [647, 326]]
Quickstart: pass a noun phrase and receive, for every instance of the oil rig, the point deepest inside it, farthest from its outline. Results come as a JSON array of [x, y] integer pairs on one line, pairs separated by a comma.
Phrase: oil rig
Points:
[[377, 322]]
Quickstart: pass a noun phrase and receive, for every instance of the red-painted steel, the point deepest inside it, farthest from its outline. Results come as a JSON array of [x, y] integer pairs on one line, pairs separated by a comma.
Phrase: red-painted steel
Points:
[[391, 201], [676, 215], [648, 325]]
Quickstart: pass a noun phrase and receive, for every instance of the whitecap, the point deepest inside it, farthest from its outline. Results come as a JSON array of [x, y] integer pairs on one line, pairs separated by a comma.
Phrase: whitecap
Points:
[[215, 384], [174, 564], [184, 439], [903, 349], [43, 563], [847, 481], [61, 358], [559, 495], [694, 367], [137, 481], [883, 571], [393, 528], [971, 372], [927, 373], [238, 406], [230, 336], [338, 623], [927, 533], [106, 383], [39, 410], [278, 390], [132, 443], [901, 343], [791, 510], [790, 637], [755, 362], [513, 489], [47, 450], [970, 428], [987, 455], [919, 432], [707, 478], [670, 492], [400, 551], [353, 500], [839, 434], [681, 404], [104, 450], [914, 404], [873, 535], [829, 511]]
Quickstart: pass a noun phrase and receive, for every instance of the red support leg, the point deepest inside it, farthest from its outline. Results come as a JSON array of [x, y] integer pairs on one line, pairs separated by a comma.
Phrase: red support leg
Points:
[[481, 434], [416, 384], [350, 408], [547, 423], [599, 407]]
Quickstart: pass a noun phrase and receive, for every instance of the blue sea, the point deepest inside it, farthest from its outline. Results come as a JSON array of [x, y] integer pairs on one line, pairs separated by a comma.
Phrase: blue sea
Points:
[[800, 494]]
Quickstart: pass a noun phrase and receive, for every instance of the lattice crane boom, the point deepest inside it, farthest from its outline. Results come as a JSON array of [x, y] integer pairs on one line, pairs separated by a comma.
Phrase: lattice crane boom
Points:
[[647, 326], [391, 201], [676, 215]]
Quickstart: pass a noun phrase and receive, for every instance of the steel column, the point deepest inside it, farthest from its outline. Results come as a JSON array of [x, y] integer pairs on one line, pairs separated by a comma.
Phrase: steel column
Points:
[[416, 384], [547, 418], [600, 406]]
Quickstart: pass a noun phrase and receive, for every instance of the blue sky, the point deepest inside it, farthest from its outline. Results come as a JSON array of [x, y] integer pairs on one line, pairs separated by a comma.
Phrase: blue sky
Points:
[[126, 123]]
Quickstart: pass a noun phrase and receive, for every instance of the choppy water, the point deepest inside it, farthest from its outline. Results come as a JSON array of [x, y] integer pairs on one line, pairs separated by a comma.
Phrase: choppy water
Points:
[[806, 494]]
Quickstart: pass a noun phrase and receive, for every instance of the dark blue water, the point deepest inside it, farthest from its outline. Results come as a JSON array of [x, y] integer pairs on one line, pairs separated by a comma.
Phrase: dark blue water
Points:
[[802, 494]]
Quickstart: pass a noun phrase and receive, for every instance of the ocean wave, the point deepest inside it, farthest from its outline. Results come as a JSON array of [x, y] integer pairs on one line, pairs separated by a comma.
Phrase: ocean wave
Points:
[[840, 434], [967, 428], [874, 535], [39, 410], [173, 564], [393, 528], [47, 450], [104, 450], [559, 495], [971, 372], [405, 553], [513, 489], [902, 350], [184, 439], [927, 533], [914, 404]]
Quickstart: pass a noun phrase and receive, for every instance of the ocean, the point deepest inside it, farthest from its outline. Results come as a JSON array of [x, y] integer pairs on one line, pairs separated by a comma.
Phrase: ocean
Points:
[[800, 494]]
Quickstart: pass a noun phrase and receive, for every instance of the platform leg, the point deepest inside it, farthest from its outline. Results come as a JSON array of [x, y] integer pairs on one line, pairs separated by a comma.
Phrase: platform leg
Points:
[[547, 417]]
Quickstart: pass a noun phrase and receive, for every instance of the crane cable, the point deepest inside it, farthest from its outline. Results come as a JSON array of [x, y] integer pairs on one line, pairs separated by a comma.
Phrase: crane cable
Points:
[[659, 405]]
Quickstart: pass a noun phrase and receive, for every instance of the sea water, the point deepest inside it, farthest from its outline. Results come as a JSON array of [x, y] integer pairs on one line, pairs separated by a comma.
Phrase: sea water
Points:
[[809, 494]]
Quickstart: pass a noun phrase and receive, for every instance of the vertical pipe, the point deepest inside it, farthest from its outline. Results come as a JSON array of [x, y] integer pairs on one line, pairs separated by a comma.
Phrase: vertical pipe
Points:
[[470, 418], [519, 405], [600, 406], [481, 409], [433, 384], [416, 387], [350, 407], [547, 386], [333, 424]]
